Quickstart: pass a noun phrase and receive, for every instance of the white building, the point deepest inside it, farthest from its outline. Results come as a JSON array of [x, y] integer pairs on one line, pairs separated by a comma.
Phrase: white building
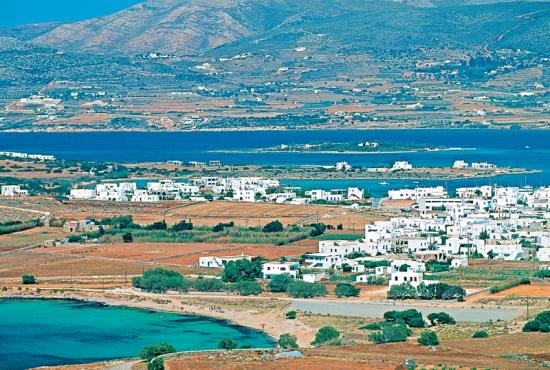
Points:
[[402, 166], [343, 166], [270, 269], [323, 261], [86, 194], [220, 262], [13, 191], [404, 277], [460, 165]]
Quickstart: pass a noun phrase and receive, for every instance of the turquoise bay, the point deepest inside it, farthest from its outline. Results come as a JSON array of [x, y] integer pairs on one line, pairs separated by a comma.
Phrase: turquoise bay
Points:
[[37, 332]]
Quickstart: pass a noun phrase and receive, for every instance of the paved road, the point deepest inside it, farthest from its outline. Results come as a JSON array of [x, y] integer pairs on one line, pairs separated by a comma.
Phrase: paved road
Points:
[[376, 310]]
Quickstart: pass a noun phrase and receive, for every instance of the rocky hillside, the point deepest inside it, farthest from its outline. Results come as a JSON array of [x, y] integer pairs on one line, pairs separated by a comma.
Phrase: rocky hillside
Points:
[[195, 26]]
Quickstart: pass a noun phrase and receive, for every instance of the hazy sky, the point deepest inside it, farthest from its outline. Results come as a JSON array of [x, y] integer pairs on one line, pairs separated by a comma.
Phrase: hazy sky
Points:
[[16, 12]]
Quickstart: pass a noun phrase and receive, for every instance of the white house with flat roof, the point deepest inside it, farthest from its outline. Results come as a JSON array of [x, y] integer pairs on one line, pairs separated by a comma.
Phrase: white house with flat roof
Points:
[[270, 269], [220, 262], [323, 261], [403, 277]]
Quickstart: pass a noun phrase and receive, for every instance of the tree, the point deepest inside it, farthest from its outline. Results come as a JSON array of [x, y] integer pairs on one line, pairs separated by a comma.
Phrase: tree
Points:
[[279, 283], [484, 235], [491, 254], [249, 288], [242, 269], [428, 338], [227, 344], [411, 317], [438, 318], [404, 267], [287, 341], [346, 290], [301, 289], [156, 364], [153, 350], [160, 280], [28, 279], [182, 226], [127, 238], [402, 291], [480, 334], [273, 227], [325, 335]]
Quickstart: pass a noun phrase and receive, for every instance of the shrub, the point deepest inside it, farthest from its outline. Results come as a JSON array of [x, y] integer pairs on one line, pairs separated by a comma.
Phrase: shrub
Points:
[[28, 279], [249, 288], [227, 344], [544, 328], [402, 291], [441, 291], [208, 285], [127, 238], [372, 326], [481, 334], [412, 318], [279, 283], [533, 325], [390, 334], [159, 225], [301, 289], [428, 338], [75, 239], [273, 227], [317, 229], [291, 315], [325, 335], [243, 269], [182, 226], [287, 341], [500, 287], [346, 290], [221, 226], [438, 318], [544, 273], [153, 350], [160, 280], [156, 364], [544, 317]]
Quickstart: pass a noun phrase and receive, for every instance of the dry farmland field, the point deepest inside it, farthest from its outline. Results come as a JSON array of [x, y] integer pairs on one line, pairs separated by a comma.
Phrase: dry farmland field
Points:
[[201, 213]]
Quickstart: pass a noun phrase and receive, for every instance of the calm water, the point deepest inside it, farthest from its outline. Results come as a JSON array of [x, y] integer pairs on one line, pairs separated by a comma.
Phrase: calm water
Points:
[[503, 147], [52, 332]]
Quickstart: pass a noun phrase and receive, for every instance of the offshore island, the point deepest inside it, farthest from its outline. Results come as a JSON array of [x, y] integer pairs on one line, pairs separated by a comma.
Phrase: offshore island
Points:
[[363, 147]]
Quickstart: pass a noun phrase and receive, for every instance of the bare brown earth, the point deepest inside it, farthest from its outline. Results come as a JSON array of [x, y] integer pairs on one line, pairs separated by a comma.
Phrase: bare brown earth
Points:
[[460, 353], [201, 213], [29, 237]]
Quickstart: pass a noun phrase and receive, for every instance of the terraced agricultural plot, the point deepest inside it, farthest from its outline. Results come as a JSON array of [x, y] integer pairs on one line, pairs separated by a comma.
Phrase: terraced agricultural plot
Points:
[[33, 236], [485, 273]]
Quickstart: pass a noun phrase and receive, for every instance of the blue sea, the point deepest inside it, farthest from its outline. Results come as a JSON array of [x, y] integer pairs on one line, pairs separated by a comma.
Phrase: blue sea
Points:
[[516, 148], [40, 332]]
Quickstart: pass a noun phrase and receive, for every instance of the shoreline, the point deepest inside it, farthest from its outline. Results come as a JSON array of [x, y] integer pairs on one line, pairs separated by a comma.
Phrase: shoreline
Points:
[[149, 305], [544, 127]]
